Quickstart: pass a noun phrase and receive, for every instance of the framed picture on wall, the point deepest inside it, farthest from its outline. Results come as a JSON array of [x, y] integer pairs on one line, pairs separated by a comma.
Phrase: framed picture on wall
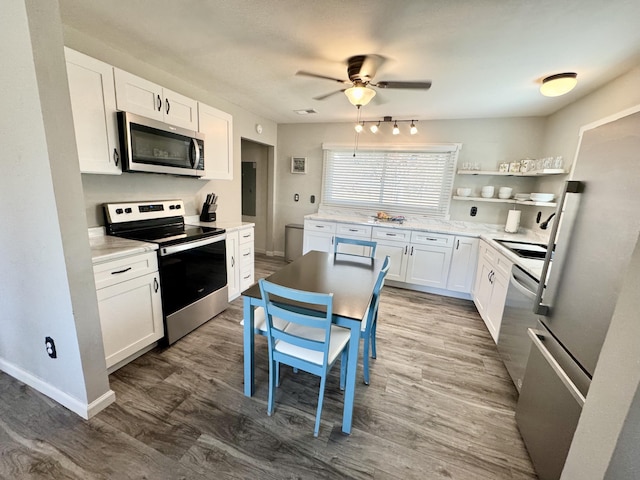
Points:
[[298, 164]]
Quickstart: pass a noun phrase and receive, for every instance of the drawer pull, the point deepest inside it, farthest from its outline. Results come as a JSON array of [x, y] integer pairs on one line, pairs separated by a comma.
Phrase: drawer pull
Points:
[[121, 271], [246, 236], [246, 254], [319, 226], [247, 277], [391, 235], [354, 230]]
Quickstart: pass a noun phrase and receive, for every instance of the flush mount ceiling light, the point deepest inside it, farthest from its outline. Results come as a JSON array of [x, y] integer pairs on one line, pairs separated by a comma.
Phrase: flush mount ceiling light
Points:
[[359, 95], [559, 84]]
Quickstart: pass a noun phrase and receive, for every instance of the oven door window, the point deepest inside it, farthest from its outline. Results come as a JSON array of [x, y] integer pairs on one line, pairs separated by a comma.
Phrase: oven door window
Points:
[[155, 147], [190, 275]]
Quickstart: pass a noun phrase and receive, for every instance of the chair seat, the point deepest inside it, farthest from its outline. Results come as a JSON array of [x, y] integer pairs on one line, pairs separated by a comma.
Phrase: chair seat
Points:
[[339, 338], [260, 321]]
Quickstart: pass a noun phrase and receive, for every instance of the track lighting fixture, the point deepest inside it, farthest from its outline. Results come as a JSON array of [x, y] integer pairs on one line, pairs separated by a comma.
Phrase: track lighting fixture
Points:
[[375, 125]]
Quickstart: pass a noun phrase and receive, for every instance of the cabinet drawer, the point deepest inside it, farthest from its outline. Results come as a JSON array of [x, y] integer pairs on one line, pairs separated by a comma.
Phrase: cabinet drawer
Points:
[[122, 269], [246, 235], [426, 238], [246, 277], [503, 265], [318, 226], [392, 234], [352, 230], [246, 255]]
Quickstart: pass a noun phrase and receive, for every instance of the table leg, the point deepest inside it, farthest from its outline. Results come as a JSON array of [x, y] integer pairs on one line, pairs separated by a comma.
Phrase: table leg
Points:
[[248, 314], [352, 366]]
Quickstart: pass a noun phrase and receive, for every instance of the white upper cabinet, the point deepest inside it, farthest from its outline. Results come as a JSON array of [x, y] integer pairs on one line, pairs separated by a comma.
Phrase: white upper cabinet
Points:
[[217, 127], [142, 97], [93, 103]]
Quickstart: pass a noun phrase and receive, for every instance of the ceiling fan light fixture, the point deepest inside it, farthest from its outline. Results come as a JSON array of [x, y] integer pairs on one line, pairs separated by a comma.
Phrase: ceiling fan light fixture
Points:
[[375, 127], [413, 129], [558, 84], [396, 130], [359, 95]]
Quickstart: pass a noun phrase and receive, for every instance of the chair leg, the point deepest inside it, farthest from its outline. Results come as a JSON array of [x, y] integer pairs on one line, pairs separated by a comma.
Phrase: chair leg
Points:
[[365, 358], [343, 368], [320, 399], [277, 374], [272, 380], [374, 327]]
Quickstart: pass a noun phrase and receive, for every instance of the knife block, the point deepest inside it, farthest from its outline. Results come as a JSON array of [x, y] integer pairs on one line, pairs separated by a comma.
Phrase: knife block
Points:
[[208, 212]]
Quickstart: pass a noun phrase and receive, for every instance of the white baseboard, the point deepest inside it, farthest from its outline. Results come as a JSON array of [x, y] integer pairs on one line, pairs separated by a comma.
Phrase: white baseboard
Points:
[[81, 408]]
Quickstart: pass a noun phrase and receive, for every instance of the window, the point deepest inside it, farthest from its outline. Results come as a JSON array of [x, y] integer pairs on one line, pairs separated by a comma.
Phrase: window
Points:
[[415, 181]]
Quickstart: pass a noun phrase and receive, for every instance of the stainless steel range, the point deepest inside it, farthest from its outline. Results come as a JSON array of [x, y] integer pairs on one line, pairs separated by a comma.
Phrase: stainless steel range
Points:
[[191, 259]]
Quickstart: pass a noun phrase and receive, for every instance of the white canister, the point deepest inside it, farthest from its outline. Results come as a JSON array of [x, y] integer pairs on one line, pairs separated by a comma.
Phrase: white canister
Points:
[[513, 221]]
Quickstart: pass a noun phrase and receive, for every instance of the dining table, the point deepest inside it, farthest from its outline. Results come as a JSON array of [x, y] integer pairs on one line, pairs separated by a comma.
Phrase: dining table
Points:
[[351, 279]]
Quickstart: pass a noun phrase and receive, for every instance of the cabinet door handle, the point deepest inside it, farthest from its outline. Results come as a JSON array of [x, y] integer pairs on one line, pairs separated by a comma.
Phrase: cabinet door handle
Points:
[[121, 271], [159, 107], [458, 244], [412, 250], [156, 285], [116, 157], [406, 249], [233, 261], [331, 239], [168, 105]]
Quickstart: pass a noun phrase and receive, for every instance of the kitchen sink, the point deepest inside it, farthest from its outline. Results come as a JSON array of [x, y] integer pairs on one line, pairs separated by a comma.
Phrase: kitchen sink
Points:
[[525, 249]]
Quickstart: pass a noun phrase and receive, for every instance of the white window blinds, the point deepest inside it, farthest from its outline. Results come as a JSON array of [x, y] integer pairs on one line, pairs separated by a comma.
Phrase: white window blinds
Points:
[[418, 182]]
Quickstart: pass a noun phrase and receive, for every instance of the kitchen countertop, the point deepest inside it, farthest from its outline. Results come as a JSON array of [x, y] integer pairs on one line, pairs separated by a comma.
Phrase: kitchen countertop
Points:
[[106, 247], [487, 232]]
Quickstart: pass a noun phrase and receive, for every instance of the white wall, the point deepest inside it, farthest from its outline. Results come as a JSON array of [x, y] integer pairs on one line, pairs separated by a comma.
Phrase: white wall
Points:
[[46, 278], [486, 141], [144, 186]]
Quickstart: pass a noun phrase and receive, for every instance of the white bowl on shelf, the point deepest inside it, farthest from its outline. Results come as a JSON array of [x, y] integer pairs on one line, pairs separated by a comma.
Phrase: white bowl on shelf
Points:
[[542, 197], [522, 197], [487, 192], [463, 192]]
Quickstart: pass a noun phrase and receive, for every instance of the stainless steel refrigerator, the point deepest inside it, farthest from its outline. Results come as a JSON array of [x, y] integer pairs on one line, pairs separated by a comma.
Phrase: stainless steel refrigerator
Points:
[[595, 231]]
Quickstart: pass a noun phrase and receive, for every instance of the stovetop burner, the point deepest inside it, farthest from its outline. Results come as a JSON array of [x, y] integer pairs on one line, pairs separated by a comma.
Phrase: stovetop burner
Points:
[[172, 235]]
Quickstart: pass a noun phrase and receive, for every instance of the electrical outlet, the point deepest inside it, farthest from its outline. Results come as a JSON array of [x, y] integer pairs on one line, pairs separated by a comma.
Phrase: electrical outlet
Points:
[[296, 197], [313, 199], [474, 211], [51, 347]]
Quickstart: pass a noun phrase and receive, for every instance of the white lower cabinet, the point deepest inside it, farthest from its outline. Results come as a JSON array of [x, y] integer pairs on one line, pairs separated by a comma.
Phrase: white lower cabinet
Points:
[[490, 287], [463, 264], [353, 232], [130, 306], [429, 259], [240, 261], [318, 236], [395, 244]]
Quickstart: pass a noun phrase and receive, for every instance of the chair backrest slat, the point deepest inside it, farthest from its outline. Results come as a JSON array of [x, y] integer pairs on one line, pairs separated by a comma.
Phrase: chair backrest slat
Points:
[[320, 317], [367, 244]]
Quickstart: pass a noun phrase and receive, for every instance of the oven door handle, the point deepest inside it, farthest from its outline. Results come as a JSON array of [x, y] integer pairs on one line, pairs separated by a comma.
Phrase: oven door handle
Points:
[[181, 247]]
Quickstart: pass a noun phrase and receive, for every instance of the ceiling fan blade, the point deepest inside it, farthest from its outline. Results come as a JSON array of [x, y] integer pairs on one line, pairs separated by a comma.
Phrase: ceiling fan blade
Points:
[[412, 85], [315, 75], [322, 97]]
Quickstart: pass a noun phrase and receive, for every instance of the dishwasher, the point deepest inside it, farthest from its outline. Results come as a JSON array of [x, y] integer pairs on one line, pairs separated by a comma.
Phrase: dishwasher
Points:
[[514, 343]]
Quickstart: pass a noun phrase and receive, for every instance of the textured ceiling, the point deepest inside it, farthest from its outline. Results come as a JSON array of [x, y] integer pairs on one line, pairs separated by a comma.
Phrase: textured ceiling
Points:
[[486, 58]]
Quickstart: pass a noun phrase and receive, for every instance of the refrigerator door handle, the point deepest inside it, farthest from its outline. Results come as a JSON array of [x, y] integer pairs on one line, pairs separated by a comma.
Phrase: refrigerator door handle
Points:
[[570, 186], [537, 337]]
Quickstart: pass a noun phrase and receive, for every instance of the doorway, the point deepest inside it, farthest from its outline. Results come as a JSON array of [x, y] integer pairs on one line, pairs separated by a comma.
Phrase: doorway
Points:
[[255, 189]]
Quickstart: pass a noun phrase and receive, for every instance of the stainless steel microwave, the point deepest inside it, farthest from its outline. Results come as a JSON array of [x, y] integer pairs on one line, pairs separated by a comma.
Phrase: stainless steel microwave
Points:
[[151, 146]]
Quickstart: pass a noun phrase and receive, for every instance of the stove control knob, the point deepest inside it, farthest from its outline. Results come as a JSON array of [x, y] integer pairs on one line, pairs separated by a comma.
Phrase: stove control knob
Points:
[[119, 211], [178, 207], [172, 207], [127, 210]]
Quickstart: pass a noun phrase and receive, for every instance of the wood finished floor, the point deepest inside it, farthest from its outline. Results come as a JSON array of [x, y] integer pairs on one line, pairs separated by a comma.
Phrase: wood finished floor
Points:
[[440, 406]]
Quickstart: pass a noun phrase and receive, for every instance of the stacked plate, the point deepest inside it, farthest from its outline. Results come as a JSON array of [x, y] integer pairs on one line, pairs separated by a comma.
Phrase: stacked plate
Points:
[[522, 196], [542, 197]]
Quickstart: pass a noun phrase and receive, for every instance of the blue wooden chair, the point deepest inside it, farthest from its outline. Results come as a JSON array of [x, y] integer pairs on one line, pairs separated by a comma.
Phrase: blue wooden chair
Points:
[[308, 342], [368, 329], [368, 245]]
